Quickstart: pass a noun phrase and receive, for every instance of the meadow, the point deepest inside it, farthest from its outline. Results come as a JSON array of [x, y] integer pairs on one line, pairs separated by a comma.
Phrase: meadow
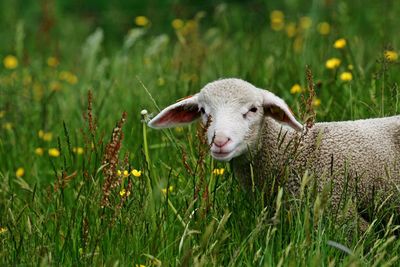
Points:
[[84, 181]]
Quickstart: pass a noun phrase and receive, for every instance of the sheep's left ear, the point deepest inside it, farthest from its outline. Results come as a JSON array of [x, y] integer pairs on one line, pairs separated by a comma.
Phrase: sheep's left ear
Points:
[[183, 112], [276, 108]]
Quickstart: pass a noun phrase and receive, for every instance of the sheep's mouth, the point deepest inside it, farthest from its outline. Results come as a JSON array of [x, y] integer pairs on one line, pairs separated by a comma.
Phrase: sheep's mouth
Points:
[[222, 155]]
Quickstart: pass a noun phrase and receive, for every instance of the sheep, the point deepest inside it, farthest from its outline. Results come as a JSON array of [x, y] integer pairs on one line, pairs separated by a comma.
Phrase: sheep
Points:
[[257, 132]]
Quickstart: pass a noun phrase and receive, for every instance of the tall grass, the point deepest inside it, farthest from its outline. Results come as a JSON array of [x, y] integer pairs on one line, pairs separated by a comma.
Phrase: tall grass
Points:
[[100, 188]]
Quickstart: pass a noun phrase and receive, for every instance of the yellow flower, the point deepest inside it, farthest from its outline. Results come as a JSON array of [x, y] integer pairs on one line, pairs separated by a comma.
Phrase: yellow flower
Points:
[[177, 24], [161, 81], [54, 152], [39, 151], [296, 89], [20, 172], [52, 62], [141, 21], [298, 44], [339, 43], [123, 192], [3, 230], [2, 113], [78, 150], [324, 28], [46, 136], [125, 173], [55, 86], [305, 22], [119, 173], [7, 126], [10, 62], [346, 76], [136, 173], [179, 130], [391, 55], [316, 102], [219, 171], [170, 189], [69, 77], [277, 20], [290, 29], [332, 63]]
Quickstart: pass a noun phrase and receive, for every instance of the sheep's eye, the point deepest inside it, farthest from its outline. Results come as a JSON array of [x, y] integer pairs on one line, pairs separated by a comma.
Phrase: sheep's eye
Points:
[[253, 109], [202, 111]]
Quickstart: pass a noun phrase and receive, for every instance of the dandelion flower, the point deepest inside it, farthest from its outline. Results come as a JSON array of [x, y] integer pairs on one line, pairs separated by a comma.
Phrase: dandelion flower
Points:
[[177, 24], [219, 171], [332, 63], [54, 152], [296, 89], [125, 173], [7, 126], [52, 62], [324, 28], [77, 150], [277, 20], [122, 192], [47, 136], [305, 22], [178, 130], [161, 81], [20, 172], [10, 62], [290, 29], [142, 21], [119, 173], [55, 86], [339, 43], [298, 44], [39, 151], [3, 230], [316, 102], [170, 189], [391, 55], [346, 76], [68, 77], [136, 173]]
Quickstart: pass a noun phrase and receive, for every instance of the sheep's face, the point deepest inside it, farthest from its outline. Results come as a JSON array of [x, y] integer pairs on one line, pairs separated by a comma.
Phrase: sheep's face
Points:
[[233, 111], [233, 116]]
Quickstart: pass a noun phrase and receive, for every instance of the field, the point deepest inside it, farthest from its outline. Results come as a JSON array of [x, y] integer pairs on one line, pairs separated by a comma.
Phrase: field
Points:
[[84, 181]]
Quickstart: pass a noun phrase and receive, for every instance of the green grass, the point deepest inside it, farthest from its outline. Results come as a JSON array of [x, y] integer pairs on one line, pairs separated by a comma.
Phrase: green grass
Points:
[[68, 210]]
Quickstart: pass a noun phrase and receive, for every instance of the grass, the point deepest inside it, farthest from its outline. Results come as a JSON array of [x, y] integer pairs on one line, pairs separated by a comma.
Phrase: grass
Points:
[[74, 208]]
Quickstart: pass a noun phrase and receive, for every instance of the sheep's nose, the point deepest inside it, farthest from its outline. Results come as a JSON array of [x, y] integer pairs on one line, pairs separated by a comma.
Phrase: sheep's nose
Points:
[[221, 140]]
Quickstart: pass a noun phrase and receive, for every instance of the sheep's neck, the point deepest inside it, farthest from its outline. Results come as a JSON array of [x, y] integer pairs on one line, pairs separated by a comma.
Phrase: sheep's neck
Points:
[[265, 164]]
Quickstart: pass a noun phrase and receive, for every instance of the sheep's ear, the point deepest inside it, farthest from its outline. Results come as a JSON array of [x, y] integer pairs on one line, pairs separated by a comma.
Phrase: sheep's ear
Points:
[[183, 112], [276, 108]]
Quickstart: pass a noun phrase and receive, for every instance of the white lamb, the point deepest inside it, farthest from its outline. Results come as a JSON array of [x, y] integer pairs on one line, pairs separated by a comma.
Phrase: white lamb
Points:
[[257, 131]]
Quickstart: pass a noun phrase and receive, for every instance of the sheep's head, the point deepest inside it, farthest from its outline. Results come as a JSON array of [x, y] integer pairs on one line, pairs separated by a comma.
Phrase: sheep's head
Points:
[[234, 110]]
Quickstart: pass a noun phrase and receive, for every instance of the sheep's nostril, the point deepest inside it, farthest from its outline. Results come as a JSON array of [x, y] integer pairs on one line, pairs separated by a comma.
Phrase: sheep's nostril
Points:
[[221, 141]]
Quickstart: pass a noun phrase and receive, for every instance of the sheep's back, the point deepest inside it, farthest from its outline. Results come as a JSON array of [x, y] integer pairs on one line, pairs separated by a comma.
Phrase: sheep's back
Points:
[[366, 152]]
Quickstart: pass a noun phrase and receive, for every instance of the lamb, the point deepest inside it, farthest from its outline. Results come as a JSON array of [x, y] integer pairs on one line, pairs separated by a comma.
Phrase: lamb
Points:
[[256, 131]]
